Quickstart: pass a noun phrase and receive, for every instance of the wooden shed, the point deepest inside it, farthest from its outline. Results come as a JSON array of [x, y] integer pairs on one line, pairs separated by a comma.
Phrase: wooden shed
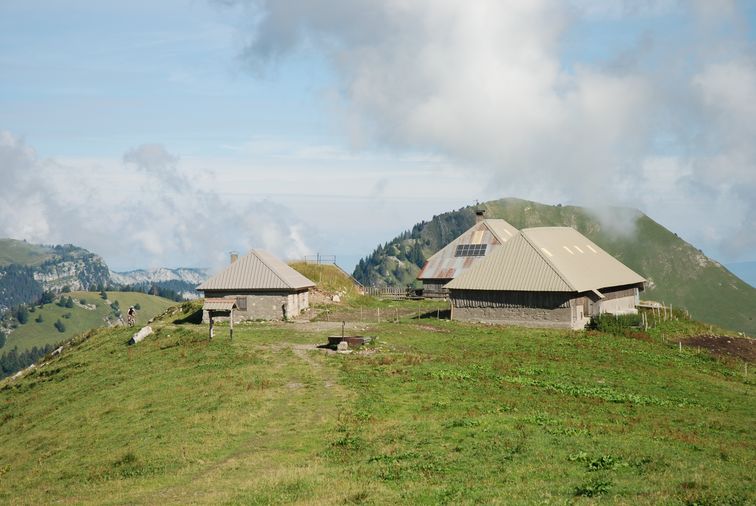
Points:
[[545, 277], [262, 287]]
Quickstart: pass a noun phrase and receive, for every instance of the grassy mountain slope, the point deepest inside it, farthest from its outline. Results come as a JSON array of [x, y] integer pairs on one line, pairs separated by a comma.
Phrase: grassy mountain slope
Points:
[[81, 318], [13, 251], [678, 273], [328, 278], [436, 412]]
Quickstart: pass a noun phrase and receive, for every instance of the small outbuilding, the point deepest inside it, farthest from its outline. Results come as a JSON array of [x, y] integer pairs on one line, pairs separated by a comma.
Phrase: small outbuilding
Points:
[[261, 286], [468, 249], [545, 277]]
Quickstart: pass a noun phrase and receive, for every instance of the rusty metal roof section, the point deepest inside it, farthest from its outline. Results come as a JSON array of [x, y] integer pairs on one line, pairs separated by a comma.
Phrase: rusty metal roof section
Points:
[[215, 304], [444, 264], [549, 259], [258, 270]]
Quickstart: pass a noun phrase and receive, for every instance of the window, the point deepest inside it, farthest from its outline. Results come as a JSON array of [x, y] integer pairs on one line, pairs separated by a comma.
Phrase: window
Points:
[[470, 250], [241, 303]]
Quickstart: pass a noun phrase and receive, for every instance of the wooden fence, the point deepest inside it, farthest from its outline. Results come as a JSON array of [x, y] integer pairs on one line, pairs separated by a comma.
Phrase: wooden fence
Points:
[[390, 292]]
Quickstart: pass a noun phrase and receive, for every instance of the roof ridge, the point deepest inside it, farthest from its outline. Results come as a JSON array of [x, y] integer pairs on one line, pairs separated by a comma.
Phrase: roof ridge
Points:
[[548, 261], [274, 271], [491, 229]]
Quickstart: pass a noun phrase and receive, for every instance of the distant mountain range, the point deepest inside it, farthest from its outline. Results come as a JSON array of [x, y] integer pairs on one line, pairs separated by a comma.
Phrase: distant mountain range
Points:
[[182, 280], [678, 273]]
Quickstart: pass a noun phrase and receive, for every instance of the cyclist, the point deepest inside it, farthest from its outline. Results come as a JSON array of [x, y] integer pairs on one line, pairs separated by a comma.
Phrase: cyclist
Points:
[[131, 318]]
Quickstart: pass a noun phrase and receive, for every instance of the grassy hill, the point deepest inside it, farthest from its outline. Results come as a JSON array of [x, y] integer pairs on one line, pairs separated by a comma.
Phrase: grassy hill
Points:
[[96, 312], [435, 412], [328, 278], [13, 251], [678, 273]]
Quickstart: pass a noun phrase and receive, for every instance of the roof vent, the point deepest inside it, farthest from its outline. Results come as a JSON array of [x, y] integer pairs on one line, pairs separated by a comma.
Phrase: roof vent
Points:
[[234, 256]]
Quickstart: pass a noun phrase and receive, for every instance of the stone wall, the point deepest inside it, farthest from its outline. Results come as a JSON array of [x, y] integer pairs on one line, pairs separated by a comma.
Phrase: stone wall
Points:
[[526, 317], [263, 305]]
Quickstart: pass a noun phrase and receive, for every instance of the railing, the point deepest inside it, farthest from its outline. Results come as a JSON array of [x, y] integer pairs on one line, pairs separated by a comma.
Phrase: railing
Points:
[[320, 259]]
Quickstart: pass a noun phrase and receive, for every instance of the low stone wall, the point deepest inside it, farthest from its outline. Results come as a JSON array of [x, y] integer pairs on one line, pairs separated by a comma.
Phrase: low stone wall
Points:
[[526, 317]]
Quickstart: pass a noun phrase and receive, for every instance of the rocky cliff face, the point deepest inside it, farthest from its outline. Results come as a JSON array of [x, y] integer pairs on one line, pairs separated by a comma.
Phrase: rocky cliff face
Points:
[[52, 269]]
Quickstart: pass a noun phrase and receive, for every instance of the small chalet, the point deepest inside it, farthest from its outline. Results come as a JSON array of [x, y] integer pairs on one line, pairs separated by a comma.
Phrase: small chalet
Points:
[[261, 286], [545, 277], [462, 253]]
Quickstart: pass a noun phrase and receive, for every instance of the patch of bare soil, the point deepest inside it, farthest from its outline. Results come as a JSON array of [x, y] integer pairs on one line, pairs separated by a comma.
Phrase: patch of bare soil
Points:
[[726, 346]]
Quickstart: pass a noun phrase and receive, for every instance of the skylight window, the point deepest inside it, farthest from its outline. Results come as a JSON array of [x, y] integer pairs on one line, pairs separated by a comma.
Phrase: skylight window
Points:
[[470, 250]]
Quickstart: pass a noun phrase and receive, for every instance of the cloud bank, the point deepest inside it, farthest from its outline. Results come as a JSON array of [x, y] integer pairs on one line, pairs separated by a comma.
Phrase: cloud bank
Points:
[[155, 213], [662, 118]]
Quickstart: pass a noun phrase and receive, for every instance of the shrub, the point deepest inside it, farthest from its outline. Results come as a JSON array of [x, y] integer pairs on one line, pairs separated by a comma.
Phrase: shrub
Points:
[[614, 324], [103, 295], [137, 306], [66, 289], [39, 319], [69, 303], [83, 302], [59, 325]]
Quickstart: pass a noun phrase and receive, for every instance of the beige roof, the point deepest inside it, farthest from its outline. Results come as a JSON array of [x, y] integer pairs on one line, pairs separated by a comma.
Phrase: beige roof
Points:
[[444, 264], [258, 270], [219, 304], [552, 259]]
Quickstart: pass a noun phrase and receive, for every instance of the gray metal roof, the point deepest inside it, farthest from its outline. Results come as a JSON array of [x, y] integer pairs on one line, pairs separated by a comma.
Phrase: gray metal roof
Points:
[[445, 265], [551, 259], [217, 304], [258, 270]]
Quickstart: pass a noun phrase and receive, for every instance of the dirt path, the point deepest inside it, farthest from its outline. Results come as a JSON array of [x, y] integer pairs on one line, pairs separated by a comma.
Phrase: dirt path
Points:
[[279, 446]]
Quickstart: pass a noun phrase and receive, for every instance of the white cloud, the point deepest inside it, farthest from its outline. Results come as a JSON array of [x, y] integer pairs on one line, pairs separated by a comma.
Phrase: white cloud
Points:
[[155, 215], [485, 84]]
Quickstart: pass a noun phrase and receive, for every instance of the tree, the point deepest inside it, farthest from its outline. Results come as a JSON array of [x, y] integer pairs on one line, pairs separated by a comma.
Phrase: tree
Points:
[[22, 315], [103, 295], [137, 306], [69, 303], [59, 325], [2, 339], [47, 297], [66, 289], [39, 318]]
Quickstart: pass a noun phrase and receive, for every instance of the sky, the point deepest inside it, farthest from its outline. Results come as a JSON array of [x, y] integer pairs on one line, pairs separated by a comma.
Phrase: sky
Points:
[[170, 133]]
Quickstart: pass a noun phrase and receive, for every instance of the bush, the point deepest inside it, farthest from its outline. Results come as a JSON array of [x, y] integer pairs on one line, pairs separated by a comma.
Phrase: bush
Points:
[[59, 325], [66, 289], [137, 306], [103, 295], [83, 302], [614, 324], [39, 319]]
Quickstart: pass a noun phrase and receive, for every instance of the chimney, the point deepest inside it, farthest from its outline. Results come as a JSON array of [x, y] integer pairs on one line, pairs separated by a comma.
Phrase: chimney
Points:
[[234, 256], [480, 215]]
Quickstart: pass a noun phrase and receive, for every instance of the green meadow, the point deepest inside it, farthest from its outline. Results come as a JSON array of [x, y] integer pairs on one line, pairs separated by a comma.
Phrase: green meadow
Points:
[[431, 412], [92, 313]]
